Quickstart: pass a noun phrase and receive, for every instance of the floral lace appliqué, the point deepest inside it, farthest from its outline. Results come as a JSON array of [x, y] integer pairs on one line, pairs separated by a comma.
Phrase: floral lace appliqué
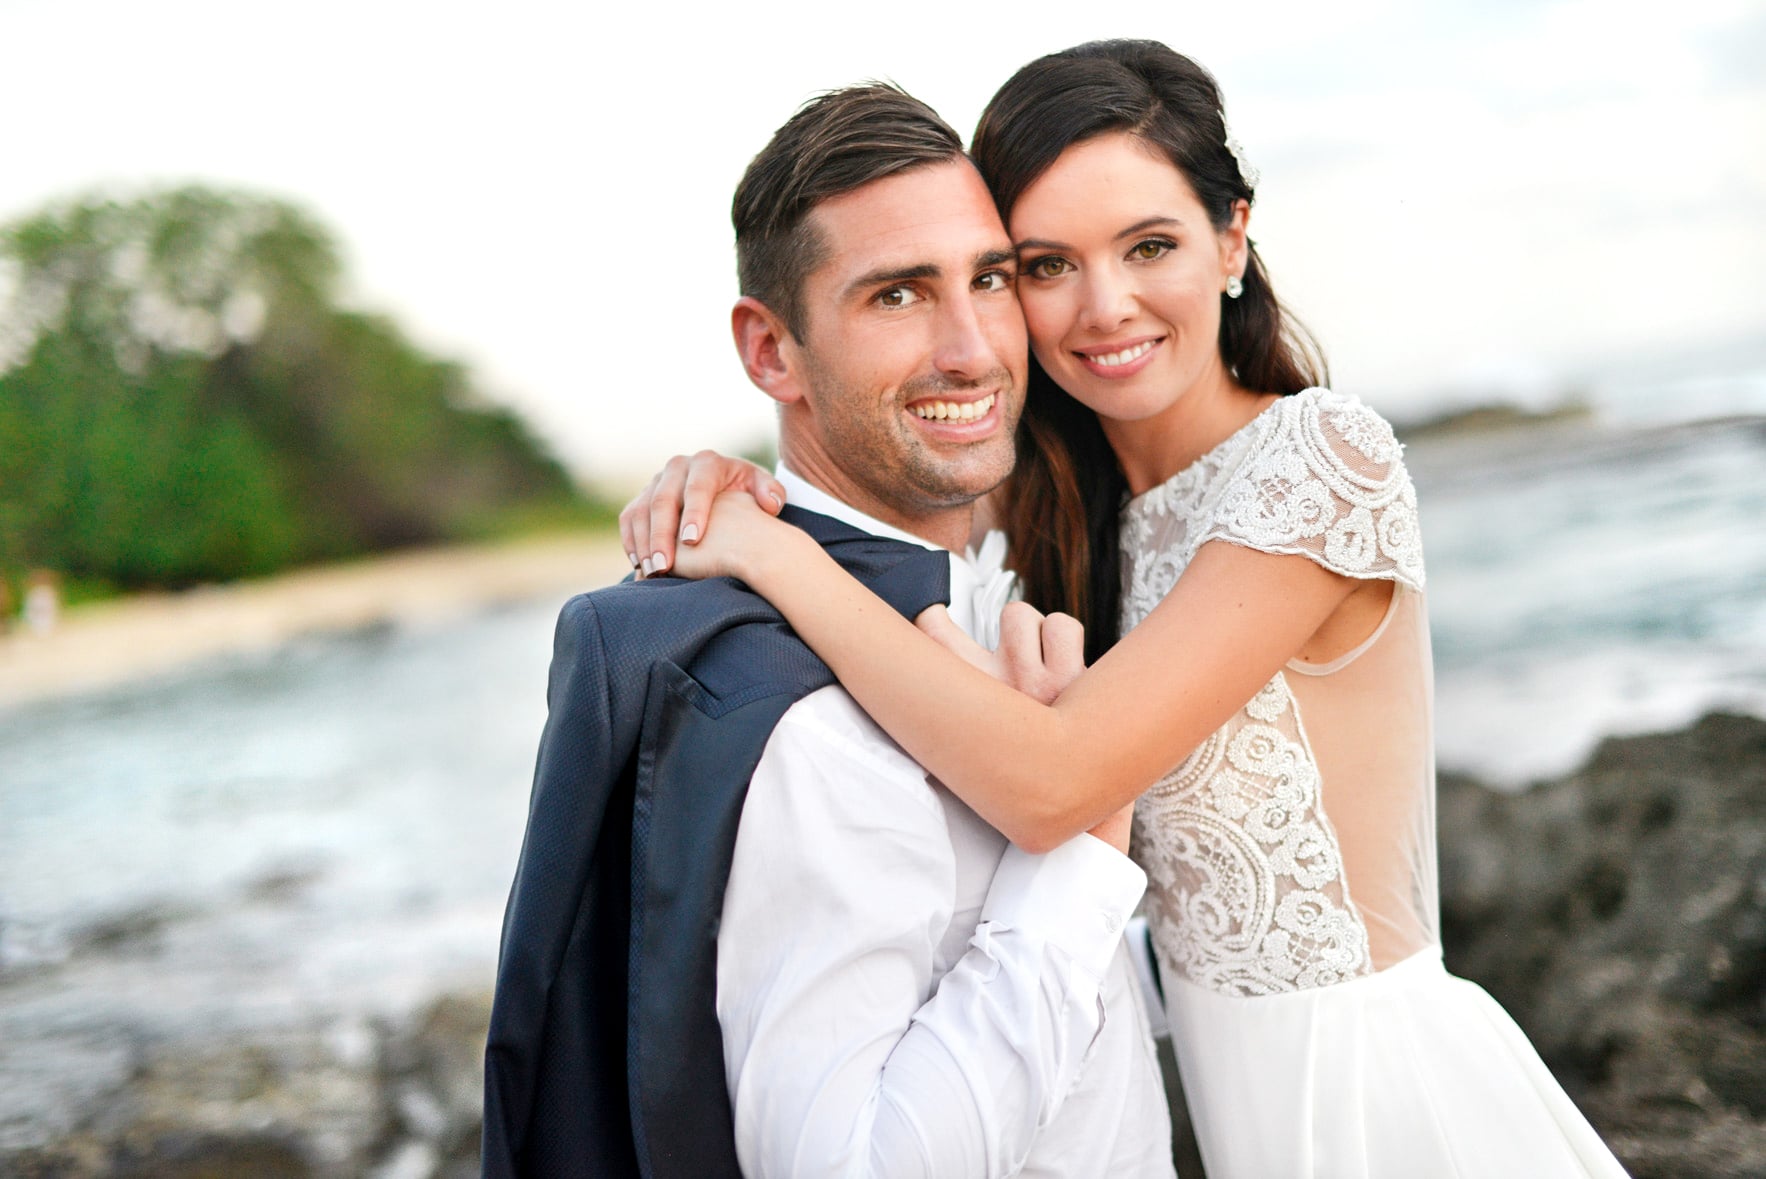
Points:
[[1246, 887], [1367, 432], [1245, 879], [1317, 474]]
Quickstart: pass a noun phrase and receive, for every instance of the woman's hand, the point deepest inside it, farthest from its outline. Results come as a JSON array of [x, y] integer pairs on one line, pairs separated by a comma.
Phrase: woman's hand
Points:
[[741, 537], [676, 506], [1038, 655]]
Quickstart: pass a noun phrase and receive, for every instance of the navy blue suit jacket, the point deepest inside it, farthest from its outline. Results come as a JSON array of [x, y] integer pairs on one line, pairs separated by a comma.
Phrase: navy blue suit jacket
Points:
[[604, 1056]]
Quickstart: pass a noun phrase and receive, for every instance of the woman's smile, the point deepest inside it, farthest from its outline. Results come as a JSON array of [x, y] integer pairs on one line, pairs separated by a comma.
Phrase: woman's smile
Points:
[[1119, 361]]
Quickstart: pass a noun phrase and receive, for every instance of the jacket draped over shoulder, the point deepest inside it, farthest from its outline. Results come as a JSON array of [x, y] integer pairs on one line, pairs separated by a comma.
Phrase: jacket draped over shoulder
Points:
[[604, 1055]]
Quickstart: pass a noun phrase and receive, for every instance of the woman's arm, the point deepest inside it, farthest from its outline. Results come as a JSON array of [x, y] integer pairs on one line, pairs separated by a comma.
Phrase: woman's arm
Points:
[[1040, 773], [674, 506]]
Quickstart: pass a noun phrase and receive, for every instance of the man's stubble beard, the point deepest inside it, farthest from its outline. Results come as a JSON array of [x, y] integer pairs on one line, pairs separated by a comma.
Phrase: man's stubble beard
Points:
[[910, 476]]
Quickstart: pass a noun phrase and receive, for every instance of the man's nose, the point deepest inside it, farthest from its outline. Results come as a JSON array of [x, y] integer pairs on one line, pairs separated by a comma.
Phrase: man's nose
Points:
[[963, 349]]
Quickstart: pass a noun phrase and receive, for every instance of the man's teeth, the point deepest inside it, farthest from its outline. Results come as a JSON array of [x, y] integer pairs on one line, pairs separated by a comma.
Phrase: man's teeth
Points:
[[952, 411], [1112, 359]]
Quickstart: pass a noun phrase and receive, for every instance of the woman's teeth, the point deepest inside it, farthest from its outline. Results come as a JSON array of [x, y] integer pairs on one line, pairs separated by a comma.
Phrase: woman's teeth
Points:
[[1112, 359], [952, 411]]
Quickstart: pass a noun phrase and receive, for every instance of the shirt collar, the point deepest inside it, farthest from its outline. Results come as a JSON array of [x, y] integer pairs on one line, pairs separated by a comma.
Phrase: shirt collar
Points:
[[804, 494], [980, 583]]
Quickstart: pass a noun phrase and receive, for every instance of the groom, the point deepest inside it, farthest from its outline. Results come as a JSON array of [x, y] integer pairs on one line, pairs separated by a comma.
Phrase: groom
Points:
[[747, 930]]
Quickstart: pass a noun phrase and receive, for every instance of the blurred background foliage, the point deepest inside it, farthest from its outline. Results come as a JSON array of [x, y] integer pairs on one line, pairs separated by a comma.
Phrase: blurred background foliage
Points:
[[184, 399]]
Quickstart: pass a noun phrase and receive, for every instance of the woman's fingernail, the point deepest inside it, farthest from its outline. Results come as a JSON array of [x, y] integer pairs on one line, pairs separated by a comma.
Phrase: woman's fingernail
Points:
[[645, 566], [633, 558], [659, 562], [690, 534]]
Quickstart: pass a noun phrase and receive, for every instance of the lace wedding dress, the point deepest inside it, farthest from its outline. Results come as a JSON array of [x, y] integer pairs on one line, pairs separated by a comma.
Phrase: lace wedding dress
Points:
[[1291, 858]]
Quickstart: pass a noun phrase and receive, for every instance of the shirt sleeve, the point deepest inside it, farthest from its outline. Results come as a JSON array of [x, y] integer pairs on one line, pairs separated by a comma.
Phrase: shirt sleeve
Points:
[[846, 1054]]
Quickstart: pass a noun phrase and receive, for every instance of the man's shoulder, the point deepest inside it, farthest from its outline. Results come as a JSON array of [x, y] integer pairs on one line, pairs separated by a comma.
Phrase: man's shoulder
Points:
[[717, 629], [831, 716], [657, 599]]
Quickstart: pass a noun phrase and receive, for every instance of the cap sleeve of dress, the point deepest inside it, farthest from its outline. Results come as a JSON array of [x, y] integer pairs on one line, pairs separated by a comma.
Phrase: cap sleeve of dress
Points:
[[1326, 481]]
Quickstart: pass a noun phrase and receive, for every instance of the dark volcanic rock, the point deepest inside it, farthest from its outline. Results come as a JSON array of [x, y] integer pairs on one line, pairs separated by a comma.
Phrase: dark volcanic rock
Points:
[[1619, 913], [399, 1101]]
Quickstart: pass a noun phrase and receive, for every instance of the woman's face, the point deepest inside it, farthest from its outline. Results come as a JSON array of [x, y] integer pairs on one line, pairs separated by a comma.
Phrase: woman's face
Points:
[[1121, 275]]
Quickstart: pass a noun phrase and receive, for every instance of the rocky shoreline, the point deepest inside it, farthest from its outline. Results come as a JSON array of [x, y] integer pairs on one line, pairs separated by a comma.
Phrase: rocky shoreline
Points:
[[389, 1099], [1618, 912]]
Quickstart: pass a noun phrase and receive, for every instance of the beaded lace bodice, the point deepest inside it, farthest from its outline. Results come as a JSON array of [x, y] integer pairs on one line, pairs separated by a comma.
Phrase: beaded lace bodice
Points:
[[1248, 893]]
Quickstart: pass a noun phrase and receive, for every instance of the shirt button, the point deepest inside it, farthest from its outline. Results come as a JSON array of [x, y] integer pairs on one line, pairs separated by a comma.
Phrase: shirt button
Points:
[[1112, 922]]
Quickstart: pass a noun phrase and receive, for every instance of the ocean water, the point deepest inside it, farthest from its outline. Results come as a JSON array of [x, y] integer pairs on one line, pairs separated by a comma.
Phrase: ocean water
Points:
[[1589, 579], [310, 840], [327, 834]]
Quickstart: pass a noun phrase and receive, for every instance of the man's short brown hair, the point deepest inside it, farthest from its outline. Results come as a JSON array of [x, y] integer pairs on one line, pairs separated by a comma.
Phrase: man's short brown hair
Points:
[[835, 143]]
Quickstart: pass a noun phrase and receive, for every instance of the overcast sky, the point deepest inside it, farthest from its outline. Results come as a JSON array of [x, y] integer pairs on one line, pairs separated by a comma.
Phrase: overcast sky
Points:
[[1461, 199]]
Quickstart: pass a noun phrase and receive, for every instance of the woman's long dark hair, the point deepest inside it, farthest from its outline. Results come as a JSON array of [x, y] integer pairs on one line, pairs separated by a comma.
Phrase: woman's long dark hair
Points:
[[1064, 499]]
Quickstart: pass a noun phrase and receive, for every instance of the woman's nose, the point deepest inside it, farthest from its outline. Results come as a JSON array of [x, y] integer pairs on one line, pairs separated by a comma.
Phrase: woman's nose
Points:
[[1109, 300]]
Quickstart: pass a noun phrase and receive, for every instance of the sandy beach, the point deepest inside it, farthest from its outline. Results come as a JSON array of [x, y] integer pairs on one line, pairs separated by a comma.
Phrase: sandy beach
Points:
[[106, 644]]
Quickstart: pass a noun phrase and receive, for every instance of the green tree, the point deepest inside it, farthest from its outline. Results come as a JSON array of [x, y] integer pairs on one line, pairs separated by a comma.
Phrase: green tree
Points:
[[184, 399]]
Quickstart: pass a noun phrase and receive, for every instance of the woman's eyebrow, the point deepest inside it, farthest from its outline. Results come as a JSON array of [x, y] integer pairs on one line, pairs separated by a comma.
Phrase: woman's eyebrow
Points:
[[1154, 222]]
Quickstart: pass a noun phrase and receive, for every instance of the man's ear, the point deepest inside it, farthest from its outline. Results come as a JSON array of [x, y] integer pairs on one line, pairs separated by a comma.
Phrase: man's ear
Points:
[[767, 348]]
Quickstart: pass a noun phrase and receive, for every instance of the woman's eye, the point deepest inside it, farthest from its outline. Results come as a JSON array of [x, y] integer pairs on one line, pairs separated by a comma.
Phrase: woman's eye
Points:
[[1150, 249], [897, 297], [1049, 267]]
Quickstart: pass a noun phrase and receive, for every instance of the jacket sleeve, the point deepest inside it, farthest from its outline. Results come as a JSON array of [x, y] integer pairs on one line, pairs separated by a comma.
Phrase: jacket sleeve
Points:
[[536, 1048]]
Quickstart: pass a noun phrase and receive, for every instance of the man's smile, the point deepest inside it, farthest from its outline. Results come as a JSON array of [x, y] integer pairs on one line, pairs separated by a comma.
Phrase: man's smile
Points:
[[935, 410]]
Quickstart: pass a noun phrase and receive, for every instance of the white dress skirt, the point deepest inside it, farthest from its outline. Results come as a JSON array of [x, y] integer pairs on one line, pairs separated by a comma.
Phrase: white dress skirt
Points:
[[1403, 1074]]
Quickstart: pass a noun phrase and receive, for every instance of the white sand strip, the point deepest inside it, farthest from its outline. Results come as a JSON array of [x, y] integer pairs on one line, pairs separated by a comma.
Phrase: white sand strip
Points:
[[109, 643]]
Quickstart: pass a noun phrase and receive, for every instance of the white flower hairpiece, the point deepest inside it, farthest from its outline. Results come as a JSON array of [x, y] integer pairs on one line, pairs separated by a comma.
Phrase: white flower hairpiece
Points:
[[1247, 170]]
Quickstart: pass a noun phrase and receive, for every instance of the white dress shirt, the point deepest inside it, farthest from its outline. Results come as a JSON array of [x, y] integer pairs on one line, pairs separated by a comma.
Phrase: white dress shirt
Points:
[[903, 993]]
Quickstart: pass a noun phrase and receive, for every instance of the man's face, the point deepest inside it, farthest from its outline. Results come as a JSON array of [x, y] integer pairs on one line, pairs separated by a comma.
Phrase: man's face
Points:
[[913, 353]]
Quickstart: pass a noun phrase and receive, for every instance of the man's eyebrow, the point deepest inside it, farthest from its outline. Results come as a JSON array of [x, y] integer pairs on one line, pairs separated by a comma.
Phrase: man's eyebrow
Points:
[[888, 275], [989, 259]]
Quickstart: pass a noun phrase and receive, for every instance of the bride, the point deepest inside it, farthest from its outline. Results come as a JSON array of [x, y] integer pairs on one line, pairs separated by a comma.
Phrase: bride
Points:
[[1186, 483]]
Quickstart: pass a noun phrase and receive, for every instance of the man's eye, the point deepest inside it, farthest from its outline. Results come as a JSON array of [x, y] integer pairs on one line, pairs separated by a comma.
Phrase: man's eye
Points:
[[1049, 266], [1152, 248], [897, 297], [993, 280]]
